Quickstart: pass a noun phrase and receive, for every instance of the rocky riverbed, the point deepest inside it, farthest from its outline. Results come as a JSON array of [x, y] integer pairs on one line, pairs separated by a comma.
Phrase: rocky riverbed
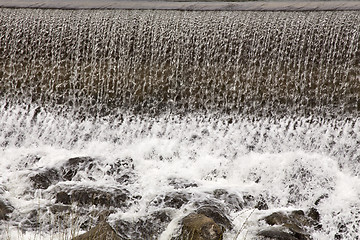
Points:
[[73, 197]]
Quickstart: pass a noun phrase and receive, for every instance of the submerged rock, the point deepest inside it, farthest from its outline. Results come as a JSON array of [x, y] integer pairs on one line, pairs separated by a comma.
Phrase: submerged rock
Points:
[[74, 165], [171, 200], [5, 209], [293, 225], [87, 196], [276, 233], [231, 200], [200, 227], [102, 231], [148, 227], [46, 178]]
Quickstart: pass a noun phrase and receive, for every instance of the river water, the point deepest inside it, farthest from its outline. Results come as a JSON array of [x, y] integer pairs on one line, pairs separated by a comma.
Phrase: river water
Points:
[[254, 103]]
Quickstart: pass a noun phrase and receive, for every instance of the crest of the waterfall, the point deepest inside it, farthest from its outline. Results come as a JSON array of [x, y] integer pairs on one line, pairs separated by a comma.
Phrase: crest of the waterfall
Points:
[[258, 63]]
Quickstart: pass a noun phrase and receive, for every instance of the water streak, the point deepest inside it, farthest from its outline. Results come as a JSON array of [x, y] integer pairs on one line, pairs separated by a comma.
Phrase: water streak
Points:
[[265, 64]]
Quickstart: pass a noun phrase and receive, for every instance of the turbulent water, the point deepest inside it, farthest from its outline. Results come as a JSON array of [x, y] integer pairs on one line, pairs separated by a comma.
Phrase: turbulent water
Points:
[[261, 104]]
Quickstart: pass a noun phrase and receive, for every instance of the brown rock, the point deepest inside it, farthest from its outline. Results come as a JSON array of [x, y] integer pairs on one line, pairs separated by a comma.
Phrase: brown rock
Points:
[[103, 231], [276, 234], [147, 227], [200, 227], [44, 179], [295, 223], [5, 209]]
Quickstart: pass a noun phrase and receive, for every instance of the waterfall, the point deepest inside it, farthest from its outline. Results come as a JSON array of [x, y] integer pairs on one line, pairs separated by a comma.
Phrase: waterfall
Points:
[[258, 63], [169, 111]]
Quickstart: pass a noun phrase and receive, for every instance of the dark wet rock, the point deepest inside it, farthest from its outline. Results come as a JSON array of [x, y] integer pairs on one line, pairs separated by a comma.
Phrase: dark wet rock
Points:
[[181, 183], [147, 227], [59, 209], [200, 227], [314, 214], [46, 178], [74, 165], [5, 210], [102, 231], [171, 200], [122, 169], [63, 197], [217, 213], [86, 196], [276, 234], [232, 201], [176, 200], [90, 196], [296, 223], [92, 217]]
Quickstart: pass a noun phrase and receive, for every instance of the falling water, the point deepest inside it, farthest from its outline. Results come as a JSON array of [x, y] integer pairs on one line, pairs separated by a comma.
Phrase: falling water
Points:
[[254, 63], [259, 103]]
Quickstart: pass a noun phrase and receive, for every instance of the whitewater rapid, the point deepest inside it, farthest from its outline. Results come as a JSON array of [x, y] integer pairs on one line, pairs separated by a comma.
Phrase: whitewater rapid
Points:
[[291, 163]]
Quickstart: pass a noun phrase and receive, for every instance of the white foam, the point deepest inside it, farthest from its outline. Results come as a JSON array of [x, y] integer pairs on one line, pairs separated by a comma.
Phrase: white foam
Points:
[[290, 168]]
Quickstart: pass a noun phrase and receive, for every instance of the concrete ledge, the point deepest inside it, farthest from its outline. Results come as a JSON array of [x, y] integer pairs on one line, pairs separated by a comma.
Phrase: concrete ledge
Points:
[[184, 6]]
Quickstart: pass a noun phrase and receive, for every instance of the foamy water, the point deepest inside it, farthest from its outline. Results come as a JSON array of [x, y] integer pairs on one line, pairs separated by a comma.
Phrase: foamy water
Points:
[[291, 163]]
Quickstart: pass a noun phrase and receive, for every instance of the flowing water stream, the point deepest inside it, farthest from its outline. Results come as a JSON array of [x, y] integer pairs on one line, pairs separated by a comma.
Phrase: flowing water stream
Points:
[[260, 104]]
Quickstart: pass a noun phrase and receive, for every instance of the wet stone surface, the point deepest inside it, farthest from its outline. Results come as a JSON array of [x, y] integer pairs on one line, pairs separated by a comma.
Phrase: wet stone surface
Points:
[[291, 225], [147, 227], [102, 231], [87, 196], [5, 209], [200, 227], [45, 178]]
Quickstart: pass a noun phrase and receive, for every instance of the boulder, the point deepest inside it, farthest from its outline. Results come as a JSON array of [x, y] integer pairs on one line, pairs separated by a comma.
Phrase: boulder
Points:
[[294, 223], [63, 197], [171, 200], [231, 200], [148, 227], [217, 214], [45, 178], [74, 165], [276, 234], [87, 196], [102, 231], [5, 209], [200, 227]]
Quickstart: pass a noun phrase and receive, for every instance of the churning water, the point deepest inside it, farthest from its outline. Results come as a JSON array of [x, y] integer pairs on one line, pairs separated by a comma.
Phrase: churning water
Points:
[[264, 104]]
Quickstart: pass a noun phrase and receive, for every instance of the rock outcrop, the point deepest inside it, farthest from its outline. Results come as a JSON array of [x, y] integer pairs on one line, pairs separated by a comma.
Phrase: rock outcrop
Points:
[[102, 231], [293, 225], [200, 227]]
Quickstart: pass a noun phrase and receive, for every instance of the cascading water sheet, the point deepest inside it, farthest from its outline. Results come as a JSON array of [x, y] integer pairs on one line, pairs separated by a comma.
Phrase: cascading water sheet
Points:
[[141, 118]]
